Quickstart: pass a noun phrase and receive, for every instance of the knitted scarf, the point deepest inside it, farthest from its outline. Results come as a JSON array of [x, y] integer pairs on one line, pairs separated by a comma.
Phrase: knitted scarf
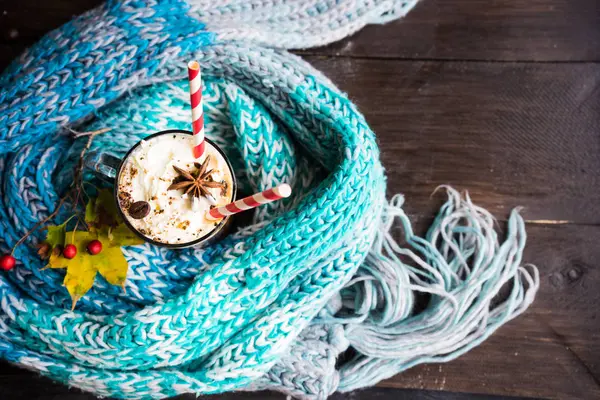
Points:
[[275, 304]]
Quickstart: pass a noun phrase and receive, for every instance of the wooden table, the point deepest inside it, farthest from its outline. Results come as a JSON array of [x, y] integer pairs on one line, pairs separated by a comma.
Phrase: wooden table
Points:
[[500, 98]]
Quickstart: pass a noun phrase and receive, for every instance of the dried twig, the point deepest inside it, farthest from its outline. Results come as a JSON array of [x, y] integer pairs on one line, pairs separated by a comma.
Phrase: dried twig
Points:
[[37, 225], [77, 135], [76, 186], [77, 179]]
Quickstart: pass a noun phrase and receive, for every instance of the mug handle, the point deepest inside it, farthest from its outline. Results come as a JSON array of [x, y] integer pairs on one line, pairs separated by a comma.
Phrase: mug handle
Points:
[[104, 166]]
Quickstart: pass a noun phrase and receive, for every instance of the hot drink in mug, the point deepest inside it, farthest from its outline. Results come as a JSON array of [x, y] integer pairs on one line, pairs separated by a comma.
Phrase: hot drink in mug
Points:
[[164, 193]]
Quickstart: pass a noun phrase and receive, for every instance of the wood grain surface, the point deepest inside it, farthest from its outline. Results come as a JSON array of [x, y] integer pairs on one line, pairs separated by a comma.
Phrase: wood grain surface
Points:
[[500, 30], [510, 133], [16, 384], [500, 98]]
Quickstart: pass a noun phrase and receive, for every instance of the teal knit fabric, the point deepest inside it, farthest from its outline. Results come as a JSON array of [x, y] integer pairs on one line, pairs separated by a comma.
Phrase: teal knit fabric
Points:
[[274, 304]]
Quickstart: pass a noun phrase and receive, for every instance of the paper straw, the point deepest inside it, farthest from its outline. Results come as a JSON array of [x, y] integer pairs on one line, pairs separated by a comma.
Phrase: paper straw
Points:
[[195, 79], [268, 196]]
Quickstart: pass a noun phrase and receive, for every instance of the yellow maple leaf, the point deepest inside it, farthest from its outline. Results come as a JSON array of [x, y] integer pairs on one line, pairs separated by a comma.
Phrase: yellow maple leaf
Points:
[[55, 235], [106, 226], [101, 212], [82, 269], [119, 236]]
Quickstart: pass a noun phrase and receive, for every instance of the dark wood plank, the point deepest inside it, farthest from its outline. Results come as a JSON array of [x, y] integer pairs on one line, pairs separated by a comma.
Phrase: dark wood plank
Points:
[[526, 30], [551, 351], [537, 30], [23, 22], [511, 134], [17, 384]]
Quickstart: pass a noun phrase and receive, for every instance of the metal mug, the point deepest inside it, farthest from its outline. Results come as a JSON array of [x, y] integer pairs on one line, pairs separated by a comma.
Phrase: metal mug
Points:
[[108, 168]]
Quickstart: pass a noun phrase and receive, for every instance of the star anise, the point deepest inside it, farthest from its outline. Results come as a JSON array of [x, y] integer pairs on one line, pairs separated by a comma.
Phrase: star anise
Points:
[[197, 182]]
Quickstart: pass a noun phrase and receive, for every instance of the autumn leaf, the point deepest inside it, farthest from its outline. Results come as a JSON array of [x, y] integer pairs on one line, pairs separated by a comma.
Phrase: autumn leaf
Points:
[[55, 238], [56, 235], [105, 225], [101, 212], [90, 214], [113, 266], [123, 236], [82, 269]]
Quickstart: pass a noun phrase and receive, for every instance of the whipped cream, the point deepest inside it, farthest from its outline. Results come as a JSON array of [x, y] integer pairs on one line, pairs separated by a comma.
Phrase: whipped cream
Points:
[[175, 217]]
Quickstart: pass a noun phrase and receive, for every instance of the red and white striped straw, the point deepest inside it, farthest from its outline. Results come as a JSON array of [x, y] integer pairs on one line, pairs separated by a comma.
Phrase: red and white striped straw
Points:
[[197, 108], [268, 196]]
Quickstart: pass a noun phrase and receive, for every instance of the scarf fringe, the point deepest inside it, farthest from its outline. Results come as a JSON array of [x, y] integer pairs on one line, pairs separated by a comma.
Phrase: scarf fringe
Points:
[[431, 299]]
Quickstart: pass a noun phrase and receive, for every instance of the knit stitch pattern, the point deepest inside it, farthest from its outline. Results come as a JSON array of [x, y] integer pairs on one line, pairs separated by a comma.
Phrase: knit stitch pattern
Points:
[[273, 305]]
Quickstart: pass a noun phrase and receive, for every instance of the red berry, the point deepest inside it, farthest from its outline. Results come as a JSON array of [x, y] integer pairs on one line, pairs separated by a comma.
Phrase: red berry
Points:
[[7, 262], [70, 251], [94, 247]]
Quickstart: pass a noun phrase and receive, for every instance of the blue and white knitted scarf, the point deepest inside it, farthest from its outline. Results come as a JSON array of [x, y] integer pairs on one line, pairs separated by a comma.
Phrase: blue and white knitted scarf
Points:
[[274, 304]]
